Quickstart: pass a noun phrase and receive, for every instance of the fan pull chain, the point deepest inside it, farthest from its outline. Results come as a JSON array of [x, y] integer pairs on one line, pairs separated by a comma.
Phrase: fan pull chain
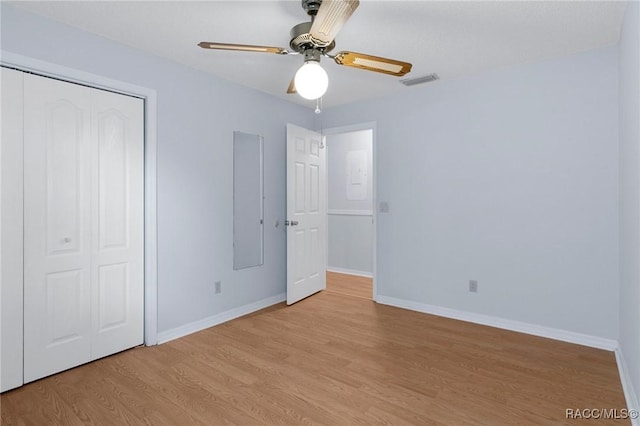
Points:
[[318, 111]]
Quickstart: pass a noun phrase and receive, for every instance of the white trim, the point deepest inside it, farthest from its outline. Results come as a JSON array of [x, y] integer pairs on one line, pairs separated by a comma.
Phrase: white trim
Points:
[[193, 327], [350, 212], [627, 386], [48, 69], [1, 386], [370, 125], [150, 223], [350, 272], [521, 327]]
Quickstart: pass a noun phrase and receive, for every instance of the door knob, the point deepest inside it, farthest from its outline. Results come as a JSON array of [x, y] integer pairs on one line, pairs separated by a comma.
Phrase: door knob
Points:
[[66, 240]]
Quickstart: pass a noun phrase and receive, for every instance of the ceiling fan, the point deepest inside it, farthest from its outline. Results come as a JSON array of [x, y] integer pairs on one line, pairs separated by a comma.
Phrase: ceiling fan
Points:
[[315, 39]]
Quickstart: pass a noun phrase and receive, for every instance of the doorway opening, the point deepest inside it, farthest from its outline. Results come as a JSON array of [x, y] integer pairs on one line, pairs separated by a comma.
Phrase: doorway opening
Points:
[[350, 210]]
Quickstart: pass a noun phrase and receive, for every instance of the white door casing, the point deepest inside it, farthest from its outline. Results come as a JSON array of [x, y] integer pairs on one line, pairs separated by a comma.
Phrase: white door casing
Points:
[[306, 213], [355, 128], [83, 229]]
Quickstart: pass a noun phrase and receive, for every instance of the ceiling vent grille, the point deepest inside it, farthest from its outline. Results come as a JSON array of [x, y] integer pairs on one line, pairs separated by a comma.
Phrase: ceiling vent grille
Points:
[[419, 80]]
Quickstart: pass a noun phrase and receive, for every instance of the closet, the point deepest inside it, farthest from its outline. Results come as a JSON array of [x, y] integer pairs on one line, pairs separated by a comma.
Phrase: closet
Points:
[[72, 225]]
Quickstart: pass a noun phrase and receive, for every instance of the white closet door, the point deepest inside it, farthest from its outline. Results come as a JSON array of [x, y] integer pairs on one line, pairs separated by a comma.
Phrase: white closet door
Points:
[[57, 226], [11, 268], [83, 192], [117, 235]]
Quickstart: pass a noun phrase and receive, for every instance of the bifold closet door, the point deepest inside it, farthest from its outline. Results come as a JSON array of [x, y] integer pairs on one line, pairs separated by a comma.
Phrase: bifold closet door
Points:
[[11, 218], [83, 238], [118, 223], [57, 226]]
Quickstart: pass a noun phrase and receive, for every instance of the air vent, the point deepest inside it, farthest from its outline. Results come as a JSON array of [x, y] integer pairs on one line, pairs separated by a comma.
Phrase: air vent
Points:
[[420, 80]]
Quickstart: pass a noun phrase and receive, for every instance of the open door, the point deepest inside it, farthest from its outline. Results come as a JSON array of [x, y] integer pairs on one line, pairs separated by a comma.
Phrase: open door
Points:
[[306, 213]]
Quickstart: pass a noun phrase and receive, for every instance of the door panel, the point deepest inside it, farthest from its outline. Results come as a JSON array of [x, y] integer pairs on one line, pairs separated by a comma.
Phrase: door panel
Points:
[[117, 257], [297, 245], [65, 306], [113, 178], [315, 245], [65, 148], [314, 189], [113, 283], [57, 245], [306, 213], [300, 174]]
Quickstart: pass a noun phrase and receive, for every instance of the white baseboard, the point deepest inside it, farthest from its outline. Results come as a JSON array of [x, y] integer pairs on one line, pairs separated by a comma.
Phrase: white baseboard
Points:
[[522, 327], [342, 212], [350, 272], [184, 330], [627, 386]]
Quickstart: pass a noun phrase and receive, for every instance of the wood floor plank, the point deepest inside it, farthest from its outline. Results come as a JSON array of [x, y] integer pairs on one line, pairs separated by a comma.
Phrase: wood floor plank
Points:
[[350, 285], [330, 359]]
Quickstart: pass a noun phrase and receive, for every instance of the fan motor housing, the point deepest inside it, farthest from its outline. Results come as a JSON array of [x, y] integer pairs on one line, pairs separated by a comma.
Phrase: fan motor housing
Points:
[[301, 39]]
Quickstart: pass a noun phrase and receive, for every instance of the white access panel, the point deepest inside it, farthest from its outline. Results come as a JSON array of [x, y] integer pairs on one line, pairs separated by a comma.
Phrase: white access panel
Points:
[[11, 87]]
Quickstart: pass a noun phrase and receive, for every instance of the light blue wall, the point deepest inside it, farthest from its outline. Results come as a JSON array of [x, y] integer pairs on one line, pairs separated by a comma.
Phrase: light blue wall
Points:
[[350, 246], [197, 114], [509, 178], [629, 49]]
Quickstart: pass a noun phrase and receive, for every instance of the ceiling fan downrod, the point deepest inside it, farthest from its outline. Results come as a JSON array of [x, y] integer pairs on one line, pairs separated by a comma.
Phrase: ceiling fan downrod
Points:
[[311, 7]]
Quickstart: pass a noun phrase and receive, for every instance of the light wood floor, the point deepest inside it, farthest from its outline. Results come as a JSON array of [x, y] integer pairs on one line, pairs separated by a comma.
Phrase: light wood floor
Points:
[[330, 359], [350, 285]]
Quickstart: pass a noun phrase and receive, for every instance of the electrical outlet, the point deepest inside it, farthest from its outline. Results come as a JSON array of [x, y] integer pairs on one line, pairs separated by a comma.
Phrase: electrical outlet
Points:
[[473, 286], [218, 287]]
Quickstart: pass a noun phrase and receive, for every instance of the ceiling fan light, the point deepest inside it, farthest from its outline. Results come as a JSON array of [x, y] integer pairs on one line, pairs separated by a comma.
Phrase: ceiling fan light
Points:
[[311, 80]]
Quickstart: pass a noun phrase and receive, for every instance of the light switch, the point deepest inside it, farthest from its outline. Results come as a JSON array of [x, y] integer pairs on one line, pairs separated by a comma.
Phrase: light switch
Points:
[[384, 207]]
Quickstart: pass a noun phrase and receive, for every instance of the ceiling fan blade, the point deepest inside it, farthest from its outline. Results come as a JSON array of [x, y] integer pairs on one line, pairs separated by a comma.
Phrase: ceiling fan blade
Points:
[[243, 47], [372, 63], [330, 18], [292, 86]]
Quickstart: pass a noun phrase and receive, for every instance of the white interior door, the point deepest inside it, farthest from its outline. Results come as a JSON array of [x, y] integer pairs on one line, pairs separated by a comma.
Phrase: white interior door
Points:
[[83, 215], [306, 213]]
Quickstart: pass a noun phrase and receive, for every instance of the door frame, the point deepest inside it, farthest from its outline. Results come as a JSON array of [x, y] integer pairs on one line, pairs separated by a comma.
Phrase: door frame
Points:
[[370, 125], [71, 75]]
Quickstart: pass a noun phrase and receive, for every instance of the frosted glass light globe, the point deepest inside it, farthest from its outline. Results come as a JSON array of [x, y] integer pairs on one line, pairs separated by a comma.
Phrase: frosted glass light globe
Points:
[[311, 80]]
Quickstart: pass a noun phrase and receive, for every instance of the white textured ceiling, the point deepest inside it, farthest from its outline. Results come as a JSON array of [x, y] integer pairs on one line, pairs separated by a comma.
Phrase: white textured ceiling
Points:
[[450, 38]]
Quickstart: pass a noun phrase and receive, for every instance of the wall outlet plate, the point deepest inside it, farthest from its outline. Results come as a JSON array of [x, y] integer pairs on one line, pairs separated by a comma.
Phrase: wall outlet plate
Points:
[[473, 286], [218, 287]]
